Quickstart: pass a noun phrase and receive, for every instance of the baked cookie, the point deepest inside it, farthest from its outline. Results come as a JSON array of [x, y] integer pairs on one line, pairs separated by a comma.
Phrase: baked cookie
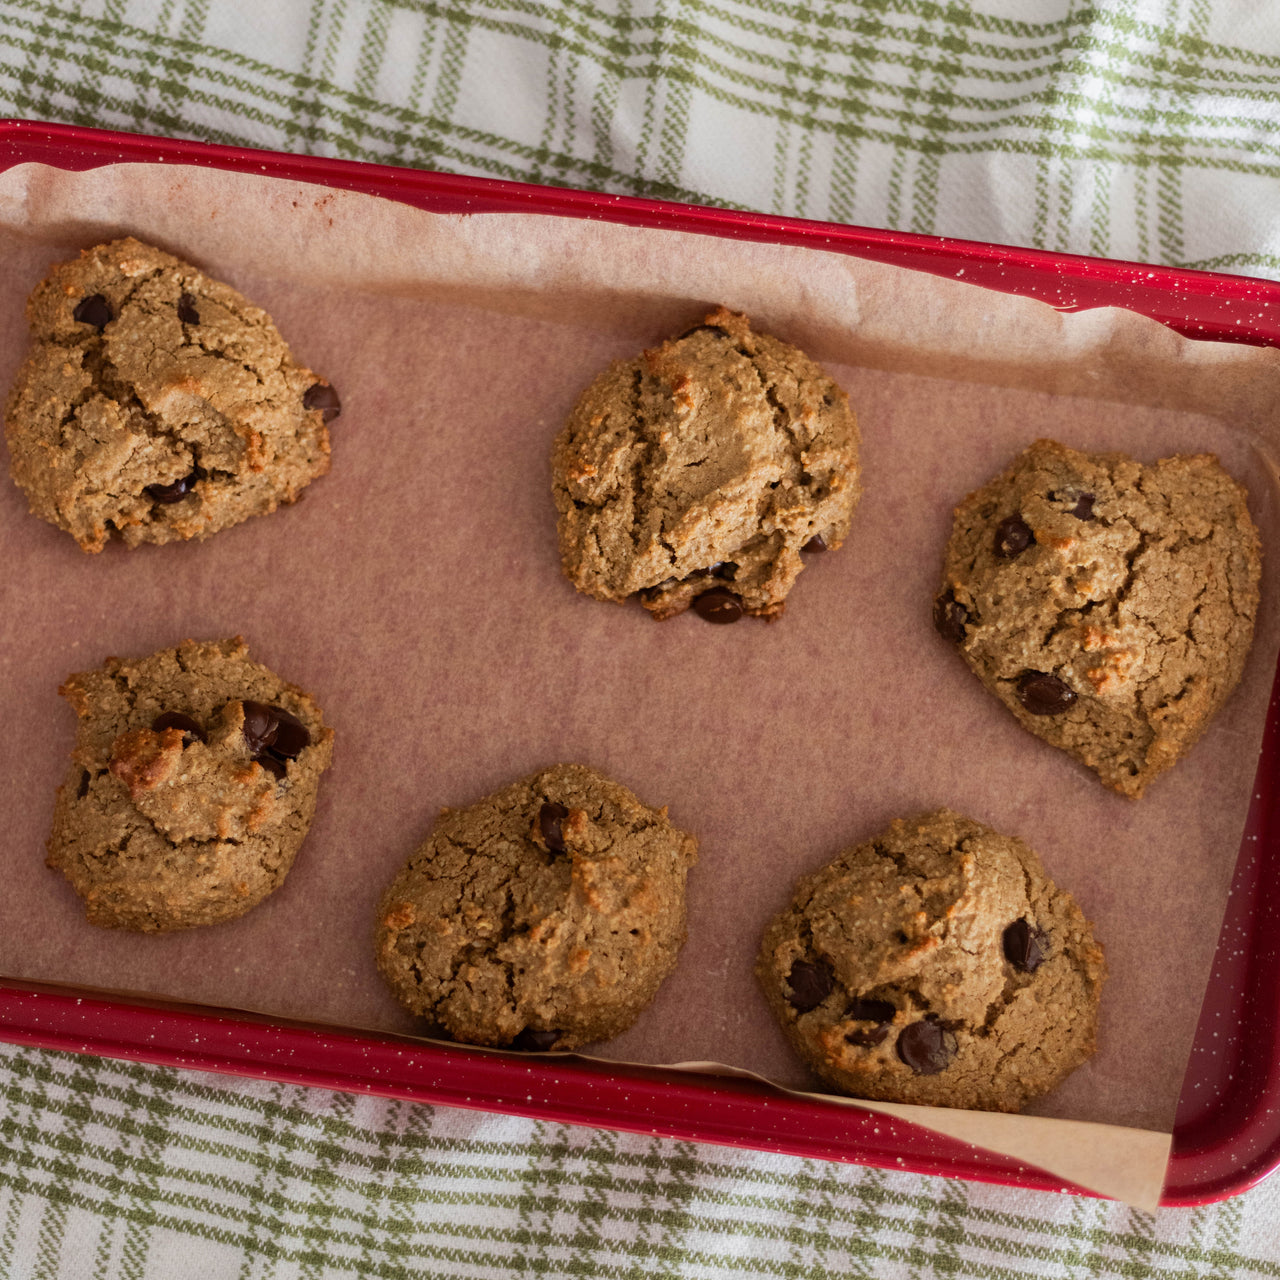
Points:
[[158, 404], [541, 917], [1108, 605], [935, 964], [699, 473], [192, 784]]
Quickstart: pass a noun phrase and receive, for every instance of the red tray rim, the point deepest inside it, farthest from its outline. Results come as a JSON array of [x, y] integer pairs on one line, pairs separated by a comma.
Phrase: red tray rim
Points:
[[1228, 1146]]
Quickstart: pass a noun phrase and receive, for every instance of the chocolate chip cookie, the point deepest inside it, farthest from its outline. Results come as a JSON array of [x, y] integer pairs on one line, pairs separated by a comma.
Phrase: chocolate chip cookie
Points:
[[158, 404], [541, 917], [1108, 605], [703, 471], [192, 784], [935, 964]]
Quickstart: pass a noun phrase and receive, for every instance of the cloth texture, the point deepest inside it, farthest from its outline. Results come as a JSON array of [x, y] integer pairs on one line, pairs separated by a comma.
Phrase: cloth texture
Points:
[[1144, 129]]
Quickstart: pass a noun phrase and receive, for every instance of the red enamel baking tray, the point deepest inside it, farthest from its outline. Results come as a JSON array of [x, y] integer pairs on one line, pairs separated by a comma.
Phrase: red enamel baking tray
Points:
[[1227, 1136]]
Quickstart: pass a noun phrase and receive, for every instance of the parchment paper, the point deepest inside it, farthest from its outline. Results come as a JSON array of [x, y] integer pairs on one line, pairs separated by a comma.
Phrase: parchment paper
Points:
[[416, 593]]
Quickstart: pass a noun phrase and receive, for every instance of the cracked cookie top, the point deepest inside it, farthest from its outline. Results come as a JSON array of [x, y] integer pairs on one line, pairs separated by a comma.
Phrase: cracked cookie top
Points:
[[1108, 605], [700, 472], [542, 917], [192, 784], [158, 404], [935, 964]]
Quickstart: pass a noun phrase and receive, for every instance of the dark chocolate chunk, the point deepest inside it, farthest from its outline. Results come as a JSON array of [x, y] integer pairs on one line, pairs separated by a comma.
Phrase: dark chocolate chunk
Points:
[[870, 1011], [533, 1041], [292, 737], [724, 569], [1013, 537], [175, 492], [320, 395], [926, 1047], [718, 605], [273, 766], [1082, 508], [93, 310], [1043, 694], [83, 789], [260, 726], [191, 731], [879, 1012], [187, 312], [273, 736], [950, 617], [550, 818], [810, 984], [703, 328], [815, 545], [1024, 946]]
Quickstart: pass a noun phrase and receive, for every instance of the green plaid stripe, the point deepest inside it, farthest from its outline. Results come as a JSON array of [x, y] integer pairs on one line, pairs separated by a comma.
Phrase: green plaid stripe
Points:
[[116, 1170], [1145, 128]]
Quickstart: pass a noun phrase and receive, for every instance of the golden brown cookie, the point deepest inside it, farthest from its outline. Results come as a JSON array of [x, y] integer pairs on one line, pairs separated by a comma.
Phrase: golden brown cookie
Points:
[[1108, 605], [700, 472], [158, 404], [935, 964], [192, 785], [541, 917]]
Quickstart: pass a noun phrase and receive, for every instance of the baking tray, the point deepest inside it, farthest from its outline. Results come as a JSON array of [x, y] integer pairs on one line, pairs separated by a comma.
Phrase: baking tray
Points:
[[1227, 1135]]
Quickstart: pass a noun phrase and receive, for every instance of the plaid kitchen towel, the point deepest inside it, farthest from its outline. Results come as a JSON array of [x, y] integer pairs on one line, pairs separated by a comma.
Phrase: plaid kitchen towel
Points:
[[112, 1170], [1145, 129]]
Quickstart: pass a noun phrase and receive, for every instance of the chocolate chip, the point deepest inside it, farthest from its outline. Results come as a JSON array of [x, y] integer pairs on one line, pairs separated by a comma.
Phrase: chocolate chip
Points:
[[175, 492], [1081, 504], [187, 312], [273, 766], [1043, 694], [1024, 946], [950, 617], [531, 1041], [83, 789], [292, 736], [814, 546], [703, 328], [810, 984], [93, 310], [1013, 537], [879, 1012], [723, 569], [718, 605], [191, 731], [273, 735], [260, 726], [550, 817], [871, 1011], [926, 1047], [320, 395]]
